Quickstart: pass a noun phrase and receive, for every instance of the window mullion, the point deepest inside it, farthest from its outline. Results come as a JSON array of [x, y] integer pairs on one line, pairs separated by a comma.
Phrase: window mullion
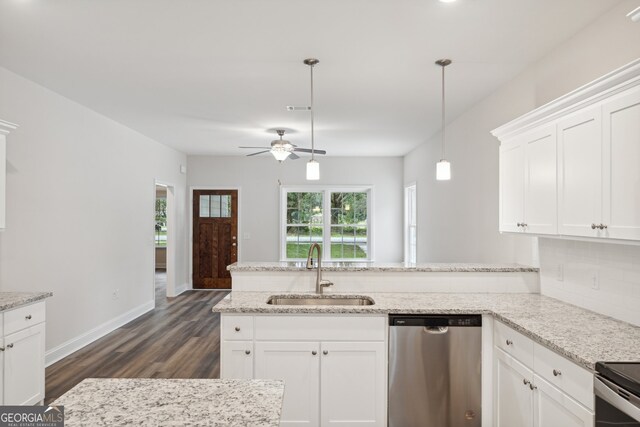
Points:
[[326, 230]]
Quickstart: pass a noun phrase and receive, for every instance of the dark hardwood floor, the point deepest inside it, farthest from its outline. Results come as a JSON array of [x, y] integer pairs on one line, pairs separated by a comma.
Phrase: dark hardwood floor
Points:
[[180, 338]]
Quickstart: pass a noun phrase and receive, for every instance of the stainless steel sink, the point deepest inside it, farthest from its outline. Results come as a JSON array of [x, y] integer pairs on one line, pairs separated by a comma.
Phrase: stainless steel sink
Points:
[[320, 300]]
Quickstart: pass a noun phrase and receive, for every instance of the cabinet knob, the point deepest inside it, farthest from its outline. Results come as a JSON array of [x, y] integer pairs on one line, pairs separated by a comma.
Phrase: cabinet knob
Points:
[[325, 352], [593, 226], [519, 224], [27, 317], [1, 348], [10, 345], [524, 224], [237, 328], [314, 352], [556, 373], [509, 342], [603, 226], [532, 387], [247, 352], [525, 381]]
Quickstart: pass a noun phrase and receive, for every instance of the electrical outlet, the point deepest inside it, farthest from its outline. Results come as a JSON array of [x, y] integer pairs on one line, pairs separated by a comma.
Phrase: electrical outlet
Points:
[[560, 273], [595, 280]]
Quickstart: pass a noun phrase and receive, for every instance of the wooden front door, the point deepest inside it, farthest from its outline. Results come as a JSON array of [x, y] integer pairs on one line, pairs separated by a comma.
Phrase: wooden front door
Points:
[[215, 237]]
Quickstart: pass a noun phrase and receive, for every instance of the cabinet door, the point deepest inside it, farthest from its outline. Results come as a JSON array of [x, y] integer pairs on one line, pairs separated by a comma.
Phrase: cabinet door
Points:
[[353, 384], [621, 162], [580, 173], [298, 364], [553, 408], [3, 178], [513, 396], [540, 189], [24, 366], [511, 186], [236, 360]]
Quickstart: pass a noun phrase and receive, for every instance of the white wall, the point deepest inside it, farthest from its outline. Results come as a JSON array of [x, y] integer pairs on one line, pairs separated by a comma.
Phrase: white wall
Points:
[[260, 194], [603, 277], [458, 220], [80, 203]]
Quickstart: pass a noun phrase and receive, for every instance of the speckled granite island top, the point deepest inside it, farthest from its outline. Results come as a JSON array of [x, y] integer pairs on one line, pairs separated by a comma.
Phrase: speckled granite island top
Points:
[[171, 402], [578, 334], [9, 300], [382, 267]]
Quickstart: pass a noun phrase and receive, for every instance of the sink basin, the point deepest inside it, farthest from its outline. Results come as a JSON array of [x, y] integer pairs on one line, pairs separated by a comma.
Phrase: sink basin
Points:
[[319, 300]]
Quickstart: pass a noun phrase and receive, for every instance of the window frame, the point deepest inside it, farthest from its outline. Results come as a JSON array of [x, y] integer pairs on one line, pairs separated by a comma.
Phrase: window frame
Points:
[[326, 218]]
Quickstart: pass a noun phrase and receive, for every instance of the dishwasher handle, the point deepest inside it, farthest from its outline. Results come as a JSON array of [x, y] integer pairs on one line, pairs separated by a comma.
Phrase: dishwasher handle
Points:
[[436, 330]]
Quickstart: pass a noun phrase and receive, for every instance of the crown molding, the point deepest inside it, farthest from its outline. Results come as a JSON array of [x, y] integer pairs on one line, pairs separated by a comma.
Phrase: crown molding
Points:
[[7, 127], [601, 88]]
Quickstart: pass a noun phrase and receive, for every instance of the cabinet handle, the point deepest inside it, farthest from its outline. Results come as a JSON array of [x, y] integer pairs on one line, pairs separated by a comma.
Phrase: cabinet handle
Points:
[[10, 345], [237, 329], [27, 317], [325, 352], [556, 372], [314, 352], [509, 342], [524, 224], [532, 387], [247, 352], [525, 381]]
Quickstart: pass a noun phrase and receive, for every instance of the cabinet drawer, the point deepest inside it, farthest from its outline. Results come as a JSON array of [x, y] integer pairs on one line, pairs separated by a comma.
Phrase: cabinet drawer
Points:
[[23, 317], [320, 328], [513, 343], [235, 328], [574, 380]]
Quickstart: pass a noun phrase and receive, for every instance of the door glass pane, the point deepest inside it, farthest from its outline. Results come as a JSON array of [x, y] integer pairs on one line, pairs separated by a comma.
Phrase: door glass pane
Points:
[[225, 211], [215, 206], [204, 206]]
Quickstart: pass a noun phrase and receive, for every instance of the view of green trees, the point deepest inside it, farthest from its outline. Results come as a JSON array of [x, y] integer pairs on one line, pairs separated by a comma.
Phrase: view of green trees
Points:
[[161, 222]]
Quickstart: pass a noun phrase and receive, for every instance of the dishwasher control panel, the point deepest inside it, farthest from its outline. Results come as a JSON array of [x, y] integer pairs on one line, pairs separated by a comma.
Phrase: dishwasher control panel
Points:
[[436, 320]]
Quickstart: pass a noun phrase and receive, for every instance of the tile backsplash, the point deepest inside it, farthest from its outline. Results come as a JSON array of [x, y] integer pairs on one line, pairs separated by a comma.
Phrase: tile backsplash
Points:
[[603, 277]]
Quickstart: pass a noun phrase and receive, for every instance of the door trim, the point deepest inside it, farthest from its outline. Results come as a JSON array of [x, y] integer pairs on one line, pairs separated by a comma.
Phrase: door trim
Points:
[[190, 215]]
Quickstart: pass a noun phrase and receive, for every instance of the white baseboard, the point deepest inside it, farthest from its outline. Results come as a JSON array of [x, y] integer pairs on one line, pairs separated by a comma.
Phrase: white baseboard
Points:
[[181, 289], [75, 344]]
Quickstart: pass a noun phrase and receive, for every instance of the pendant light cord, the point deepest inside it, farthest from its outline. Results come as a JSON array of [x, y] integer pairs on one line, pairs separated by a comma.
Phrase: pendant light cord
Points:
[[443, 121], [312, 111]]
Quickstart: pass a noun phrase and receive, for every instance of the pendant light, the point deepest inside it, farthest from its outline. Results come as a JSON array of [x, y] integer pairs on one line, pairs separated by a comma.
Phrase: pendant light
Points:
[[443, 167], [313, 167]]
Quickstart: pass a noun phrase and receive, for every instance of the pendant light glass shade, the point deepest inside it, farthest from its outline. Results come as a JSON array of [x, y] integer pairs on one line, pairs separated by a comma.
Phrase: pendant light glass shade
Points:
[[443, 170], [313, 170]]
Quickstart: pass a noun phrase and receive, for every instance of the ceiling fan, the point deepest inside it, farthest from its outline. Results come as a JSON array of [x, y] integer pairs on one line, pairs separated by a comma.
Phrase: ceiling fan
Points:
[[281, 149]]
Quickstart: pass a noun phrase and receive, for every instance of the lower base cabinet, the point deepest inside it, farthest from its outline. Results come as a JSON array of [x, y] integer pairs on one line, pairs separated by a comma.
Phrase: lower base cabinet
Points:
[[24, 366], [554, 408], [514, 400], [334, 369]]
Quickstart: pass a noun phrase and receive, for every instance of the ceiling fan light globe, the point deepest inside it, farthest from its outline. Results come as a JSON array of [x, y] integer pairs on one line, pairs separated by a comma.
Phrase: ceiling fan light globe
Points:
[[443, 170], [313, 170], [280, 155]]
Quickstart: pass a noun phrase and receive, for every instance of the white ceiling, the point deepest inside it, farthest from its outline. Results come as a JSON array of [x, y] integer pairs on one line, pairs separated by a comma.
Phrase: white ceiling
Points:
[[206, 76]]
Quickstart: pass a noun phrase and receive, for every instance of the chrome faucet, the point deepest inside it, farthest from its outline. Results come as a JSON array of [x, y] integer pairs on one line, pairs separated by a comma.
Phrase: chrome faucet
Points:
[[320, 284]]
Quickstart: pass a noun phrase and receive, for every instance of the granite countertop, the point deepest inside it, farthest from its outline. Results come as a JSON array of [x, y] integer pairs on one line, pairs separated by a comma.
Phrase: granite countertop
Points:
[[382, 267], [9, 300], [173, 402], [576, 333]]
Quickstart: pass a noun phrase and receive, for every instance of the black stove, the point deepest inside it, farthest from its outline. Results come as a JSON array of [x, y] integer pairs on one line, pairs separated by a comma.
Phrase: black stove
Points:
[[617, 389]]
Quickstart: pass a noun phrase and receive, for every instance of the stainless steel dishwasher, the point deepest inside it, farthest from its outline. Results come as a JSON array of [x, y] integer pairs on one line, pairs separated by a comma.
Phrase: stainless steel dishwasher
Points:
[[435, 370]]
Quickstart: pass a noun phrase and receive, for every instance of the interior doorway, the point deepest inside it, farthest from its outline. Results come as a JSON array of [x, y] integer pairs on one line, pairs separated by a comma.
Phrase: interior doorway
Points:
[[164, 231], [215, 237]]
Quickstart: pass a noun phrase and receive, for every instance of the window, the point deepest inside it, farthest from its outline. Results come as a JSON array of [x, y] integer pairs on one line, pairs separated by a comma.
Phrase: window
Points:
[[411, 227], [161, 222], [335, 218]]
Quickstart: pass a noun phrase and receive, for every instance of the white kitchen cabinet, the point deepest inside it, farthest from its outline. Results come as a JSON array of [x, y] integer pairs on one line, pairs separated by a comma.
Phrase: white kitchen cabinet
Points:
[[298, 364], [511, 186], [580, 173], [513, 397], [353, 383], [621, 166], [24, 366], [554, 408], [236, 359]]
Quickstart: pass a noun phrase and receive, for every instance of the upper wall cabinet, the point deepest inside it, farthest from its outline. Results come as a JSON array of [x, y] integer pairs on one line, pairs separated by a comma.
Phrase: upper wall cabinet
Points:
[[572, 167], [5, 128]]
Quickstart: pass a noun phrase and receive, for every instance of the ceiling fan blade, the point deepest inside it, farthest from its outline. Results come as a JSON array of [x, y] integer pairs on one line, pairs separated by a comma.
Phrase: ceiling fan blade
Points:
[[264, 148], [308, 150], [259, 152], [294, 156]]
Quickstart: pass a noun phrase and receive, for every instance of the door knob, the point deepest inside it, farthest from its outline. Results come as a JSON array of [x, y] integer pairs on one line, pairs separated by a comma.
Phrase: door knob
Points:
[[233, 244]]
